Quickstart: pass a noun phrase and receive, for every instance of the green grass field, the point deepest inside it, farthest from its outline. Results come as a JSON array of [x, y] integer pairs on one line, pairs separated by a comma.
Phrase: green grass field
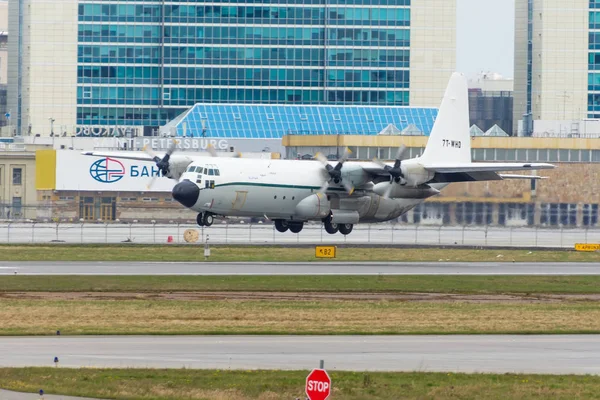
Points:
[[326, 284], [180, 384], [134, 252], [300, 317]]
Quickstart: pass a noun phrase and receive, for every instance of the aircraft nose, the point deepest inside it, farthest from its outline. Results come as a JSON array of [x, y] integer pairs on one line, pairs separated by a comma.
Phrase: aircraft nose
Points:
[[186, 193]]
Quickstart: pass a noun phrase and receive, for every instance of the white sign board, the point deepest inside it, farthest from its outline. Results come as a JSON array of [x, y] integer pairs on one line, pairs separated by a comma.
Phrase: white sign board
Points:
[[75, 171]]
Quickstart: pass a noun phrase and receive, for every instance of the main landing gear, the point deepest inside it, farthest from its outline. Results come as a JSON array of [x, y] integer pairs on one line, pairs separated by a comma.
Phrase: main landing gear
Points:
[[205, 219], [333, 228], [294, 226]]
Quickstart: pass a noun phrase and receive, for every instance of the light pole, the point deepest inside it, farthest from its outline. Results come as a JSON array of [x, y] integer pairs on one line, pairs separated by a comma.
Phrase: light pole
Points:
[[51, 126]]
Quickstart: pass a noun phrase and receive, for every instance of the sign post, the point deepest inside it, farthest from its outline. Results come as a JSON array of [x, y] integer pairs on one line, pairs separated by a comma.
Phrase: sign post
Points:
[[587, 246], [325, 251], [318, 385]]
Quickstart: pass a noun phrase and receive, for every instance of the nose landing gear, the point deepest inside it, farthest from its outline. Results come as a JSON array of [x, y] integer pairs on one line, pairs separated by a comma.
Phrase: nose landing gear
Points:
[[205, 219]]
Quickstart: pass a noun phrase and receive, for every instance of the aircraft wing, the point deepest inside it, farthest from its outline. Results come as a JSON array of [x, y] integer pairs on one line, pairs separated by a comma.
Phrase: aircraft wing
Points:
[[470, 172], [516, 176], [485, 167], [129, 155]]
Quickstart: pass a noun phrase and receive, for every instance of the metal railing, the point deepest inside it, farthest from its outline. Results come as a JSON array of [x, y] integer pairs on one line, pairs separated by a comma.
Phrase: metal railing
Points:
[[227, 233]]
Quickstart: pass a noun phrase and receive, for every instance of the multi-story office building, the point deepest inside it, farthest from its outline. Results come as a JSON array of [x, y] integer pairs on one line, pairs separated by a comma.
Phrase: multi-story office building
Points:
[[556, 59], [142, 63], [3, 60]]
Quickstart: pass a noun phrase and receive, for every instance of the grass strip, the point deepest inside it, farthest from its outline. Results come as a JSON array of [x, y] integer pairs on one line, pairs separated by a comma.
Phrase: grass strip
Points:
[[489, 284], [276, 253], [151, 384], [302, 317]]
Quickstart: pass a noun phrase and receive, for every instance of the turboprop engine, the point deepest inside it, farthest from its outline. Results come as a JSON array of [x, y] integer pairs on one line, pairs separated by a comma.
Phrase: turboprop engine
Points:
[[408, 173], [348, 175], [313, 207], [396, 190]]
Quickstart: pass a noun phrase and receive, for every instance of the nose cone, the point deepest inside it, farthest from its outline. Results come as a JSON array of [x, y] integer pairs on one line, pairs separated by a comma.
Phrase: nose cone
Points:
[[186, 193]]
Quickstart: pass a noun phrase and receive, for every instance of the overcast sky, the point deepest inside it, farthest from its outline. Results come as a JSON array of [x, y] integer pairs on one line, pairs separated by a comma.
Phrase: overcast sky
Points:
[[485, 36]]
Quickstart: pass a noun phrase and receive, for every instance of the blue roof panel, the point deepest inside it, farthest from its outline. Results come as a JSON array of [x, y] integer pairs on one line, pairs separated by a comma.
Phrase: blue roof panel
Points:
[[261, 121]]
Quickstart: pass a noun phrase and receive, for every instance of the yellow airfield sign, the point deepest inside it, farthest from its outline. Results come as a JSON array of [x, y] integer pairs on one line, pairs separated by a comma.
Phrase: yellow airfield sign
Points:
[[587, 246], [325, 251]]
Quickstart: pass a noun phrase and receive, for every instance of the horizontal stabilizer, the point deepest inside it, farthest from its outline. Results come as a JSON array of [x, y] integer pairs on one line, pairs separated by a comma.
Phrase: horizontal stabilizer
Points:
[[485, 167], [130, 155]]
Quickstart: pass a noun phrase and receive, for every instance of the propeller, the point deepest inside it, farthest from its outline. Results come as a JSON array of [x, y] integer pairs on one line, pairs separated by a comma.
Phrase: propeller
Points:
[[161, 163], [203, 122], [335, 173], [395, 171], [213, 153]]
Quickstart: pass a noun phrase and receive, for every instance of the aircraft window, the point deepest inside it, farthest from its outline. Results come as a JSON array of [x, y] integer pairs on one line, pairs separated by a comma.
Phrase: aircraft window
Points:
[[217, 172], [205, 171], [190, 169], [211, 171]]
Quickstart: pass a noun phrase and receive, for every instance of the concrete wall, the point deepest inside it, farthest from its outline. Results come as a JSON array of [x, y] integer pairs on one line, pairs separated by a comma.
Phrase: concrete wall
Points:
[[49, 70], [560, 62], [3, 50], [432, 50]]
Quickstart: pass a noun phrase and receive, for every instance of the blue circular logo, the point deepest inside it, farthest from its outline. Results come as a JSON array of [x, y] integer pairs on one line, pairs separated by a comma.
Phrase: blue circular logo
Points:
[[107, 170]]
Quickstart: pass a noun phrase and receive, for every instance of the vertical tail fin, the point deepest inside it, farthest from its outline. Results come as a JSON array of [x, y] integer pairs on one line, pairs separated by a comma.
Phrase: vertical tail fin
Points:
[[450, 140]]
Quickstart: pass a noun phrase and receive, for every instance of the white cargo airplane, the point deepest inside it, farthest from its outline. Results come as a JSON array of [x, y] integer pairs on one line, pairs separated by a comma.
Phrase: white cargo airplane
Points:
[[292, 192]]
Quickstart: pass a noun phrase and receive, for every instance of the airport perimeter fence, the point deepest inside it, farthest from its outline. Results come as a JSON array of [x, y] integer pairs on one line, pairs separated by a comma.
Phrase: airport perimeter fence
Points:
[[226, 233]]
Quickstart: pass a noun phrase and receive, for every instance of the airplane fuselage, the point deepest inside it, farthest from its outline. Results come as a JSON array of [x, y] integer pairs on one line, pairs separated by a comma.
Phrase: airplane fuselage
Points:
[[274, 189]]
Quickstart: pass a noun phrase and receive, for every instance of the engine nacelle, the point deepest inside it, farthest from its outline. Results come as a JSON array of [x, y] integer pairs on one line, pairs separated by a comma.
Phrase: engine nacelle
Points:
[[405, 191], [415, 174], [315, 206], [355, 175], [177, 166]]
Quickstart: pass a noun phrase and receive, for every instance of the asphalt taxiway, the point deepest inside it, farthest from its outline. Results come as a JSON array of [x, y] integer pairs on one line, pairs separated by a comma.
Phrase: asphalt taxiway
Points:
[[553, 354], [296, 268], [9, 395]]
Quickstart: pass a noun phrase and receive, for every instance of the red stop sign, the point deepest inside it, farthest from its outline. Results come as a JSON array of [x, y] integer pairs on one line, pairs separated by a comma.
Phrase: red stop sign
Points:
[[318, 385]]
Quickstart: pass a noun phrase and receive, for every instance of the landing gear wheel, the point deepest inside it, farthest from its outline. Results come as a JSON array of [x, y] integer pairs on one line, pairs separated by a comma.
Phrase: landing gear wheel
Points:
[[345, 229], [296, 227], [208, 219], [331, 227], [200, 219], [281, 225]]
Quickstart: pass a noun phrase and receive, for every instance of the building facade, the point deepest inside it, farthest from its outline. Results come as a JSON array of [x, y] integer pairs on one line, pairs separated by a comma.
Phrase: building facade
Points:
[[142, 63], [491, 102], [3, 61], [555, 61], [18, 196]]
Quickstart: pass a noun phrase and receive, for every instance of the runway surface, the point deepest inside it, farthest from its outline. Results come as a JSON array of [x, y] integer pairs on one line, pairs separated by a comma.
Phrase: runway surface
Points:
[[295, 268], [554, 354]]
